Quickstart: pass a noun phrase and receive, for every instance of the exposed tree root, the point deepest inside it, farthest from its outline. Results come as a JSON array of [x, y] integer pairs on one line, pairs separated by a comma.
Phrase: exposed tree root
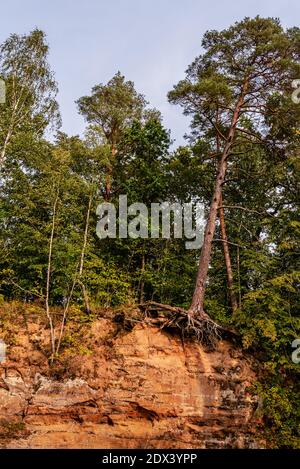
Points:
[[201, 328]]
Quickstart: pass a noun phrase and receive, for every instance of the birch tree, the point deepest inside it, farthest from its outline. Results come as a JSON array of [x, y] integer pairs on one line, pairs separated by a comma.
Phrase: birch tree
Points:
[[31, 90]]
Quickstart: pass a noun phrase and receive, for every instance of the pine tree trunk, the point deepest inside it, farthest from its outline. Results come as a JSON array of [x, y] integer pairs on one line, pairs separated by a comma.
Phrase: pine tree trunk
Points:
[[108, 177], [142, 281], [197, 304], [232, 296]]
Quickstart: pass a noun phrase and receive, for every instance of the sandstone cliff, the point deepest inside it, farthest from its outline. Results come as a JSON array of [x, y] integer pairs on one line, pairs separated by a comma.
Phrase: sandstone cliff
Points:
[[143, 388]]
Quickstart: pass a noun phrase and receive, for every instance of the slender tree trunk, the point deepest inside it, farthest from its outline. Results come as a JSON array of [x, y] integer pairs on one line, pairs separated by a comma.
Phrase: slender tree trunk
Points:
[[52, 333], [196, 307], [85, 239], [142, 281], [239, 276], [232, 296], [226, 252], [4, 148], [239, 270], [66, 309], [85, 297], [11, 127], [108, 177], [77, 277]]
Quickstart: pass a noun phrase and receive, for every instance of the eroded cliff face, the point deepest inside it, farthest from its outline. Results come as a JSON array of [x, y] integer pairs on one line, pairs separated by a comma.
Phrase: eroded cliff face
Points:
[[139, 389]]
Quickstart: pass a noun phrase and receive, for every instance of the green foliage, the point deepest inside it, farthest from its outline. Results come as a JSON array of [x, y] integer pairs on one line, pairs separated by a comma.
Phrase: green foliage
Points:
[[282, 415], [113, 107], [30, 90]]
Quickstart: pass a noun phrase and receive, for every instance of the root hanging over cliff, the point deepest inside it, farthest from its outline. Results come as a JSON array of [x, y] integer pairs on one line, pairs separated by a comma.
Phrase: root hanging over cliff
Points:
[[203, 329]]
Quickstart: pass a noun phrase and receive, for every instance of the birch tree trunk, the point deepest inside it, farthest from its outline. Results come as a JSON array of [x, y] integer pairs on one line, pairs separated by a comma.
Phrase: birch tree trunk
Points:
[[52, 332], [83, 251], [77, 277]]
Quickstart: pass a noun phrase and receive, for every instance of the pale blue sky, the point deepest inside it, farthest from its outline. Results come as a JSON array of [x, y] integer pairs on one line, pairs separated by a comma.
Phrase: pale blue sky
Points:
[[150, 41]]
